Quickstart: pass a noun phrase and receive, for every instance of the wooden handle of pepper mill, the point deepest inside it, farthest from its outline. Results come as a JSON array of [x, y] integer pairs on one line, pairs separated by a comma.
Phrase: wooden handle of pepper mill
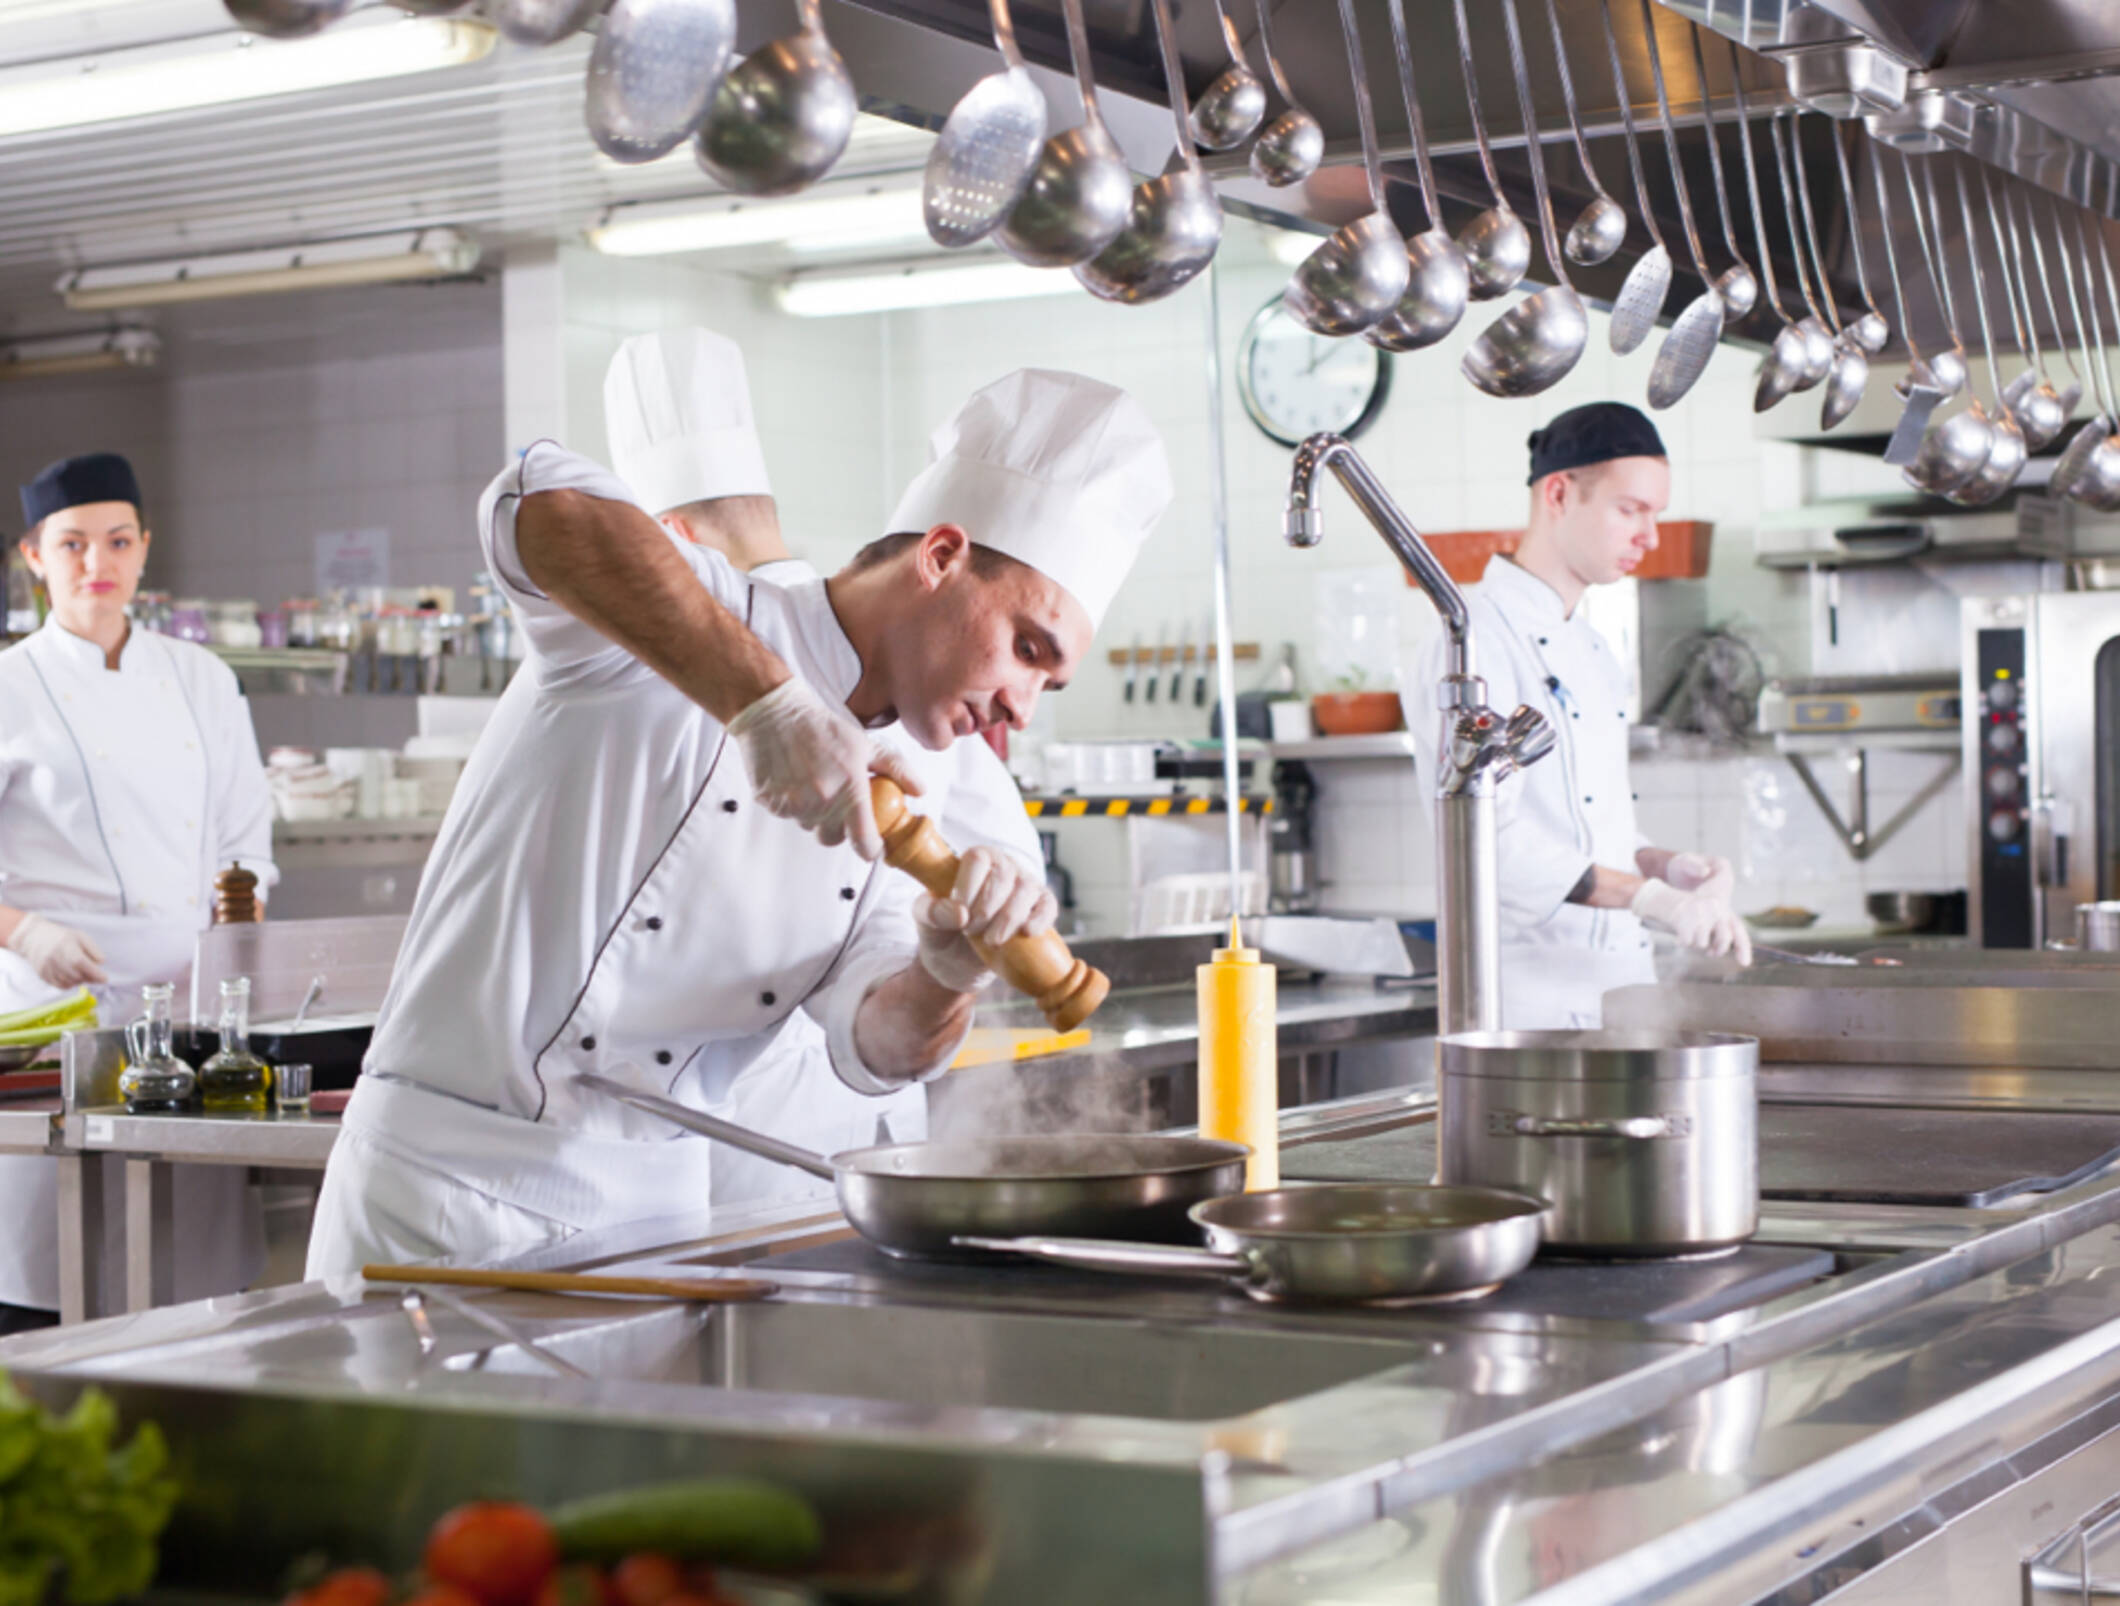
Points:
[[1041, 967]]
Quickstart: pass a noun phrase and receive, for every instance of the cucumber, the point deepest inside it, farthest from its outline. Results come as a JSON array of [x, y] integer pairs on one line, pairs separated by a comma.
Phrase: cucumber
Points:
[[738, 1521]]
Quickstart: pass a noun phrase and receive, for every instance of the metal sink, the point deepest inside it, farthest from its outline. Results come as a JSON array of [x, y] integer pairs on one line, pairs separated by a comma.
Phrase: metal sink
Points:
[[941, 1357]]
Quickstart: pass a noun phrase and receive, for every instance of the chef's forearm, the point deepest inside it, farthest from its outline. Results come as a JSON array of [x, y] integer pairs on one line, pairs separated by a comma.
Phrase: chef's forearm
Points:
[[610, 566], [1654, 862], [9, 919], [1603, 887], [909, 1023]]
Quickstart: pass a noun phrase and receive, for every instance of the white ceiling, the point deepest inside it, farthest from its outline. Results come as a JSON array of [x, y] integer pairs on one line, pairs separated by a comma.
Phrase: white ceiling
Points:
[[497, 147]]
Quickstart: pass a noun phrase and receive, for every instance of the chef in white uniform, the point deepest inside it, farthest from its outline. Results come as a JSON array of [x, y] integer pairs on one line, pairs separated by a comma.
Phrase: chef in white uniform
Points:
[[129, 775], [606, 894], [1580, 886], [678, 413]]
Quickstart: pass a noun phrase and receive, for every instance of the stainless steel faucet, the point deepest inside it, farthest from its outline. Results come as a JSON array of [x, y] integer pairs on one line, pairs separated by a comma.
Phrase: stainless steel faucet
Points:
[[1478, 749]]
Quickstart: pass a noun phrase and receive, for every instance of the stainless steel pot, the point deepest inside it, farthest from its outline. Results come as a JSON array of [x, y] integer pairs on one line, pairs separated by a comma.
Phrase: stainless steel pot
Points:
[[2098, 927], [1645, 1143]]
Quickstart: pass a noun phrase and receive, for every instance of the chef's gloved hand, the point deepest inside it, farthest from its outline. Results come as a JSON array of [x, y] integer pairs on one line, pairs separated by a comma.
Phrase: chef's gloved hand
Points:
[[1708, 873], [997, 896], [1694, 918], [60, 955], [811, 764]]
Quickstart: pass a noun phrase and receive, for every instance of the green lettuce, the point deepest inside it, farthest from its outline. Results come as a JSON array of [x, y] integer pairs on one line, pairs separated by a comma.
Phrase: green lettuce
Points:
[[73, 1506]]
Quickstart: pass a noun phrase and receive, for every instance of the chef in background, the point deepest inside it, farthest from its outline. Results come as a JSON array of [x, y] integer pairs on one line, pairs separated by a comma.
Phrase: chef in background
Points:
[[607, 895], [1580, 887], [129, 775], [684, 437]]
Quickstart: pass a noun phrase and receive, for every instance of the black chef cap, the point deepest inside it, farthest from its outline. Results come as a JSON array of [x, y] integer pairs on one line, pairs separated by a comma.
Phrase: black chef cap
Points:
[[1596, 433], [76, 482]]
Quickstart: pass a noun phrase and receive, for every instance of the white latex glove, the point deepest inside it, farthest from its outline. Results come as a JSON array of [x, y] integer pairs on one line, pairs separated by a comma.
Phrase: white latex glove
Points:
[[997, 896], [60, 955], [1708, 873], [1694, 918], [811, 764]]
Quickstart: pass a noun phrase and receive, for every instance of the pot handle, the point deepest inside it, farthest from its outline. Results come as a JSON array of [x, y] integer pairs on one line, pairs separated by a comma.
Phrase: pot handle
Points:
[[1505, 1123], [1118, 1254]]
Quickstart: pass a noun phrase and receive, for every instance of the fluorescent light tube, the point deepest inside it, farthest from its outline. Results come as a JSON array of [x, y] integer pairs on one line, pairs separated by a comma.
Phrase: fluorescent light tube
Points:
[[942, 284], [370, 259], [41, 357], [148, 80], [847, 216]]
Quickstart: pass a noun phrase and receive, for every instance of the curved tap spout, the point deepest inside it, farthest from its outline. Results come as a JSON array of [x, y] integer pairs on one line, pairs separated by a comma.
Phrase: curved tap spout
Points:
[[1303, 524]]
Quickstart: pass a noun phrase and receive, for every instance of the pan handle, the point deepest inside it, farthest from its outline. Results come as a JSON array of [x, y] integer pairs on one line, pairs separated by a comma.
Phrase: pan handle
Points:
[[712, 1126], [1118, 1254], [1641, 1127]]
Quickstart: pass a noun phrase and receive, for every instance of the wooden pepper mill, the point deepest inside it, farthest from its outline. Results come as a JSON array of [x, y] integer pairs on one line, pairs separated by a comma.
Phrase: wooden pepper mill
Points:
[[1041, 967], [235, 897]]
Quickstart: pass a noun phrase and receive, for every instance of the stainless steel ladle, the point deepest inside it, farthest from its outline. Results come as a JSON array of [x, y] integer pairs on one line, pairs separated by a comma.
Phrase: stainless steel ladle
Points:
[[782, 115], [1496, 244], [1849, 375], [1641, 294], [1737, 284], [1783, 363], [287, 19], [2072, 392], [1438, 282], [1871, 330], [1080, 194], [1953, 448], [2098, 485], [1290, 147], [2030, 397], [1358, 275], [1536, 342], [1176, 222], [1601, 228], [654, 72], [1817, 337], [1919, 387], [1683, 357], [1949, 367], [1231, 108], [2076, 457], [2007, 452], [2038, 403], [984, 157]]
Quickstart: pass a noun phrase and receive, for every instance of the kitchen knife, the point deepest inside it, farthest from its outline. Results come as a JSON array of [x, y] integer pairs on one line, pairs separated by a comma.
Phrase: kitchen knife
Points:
[[1200, 679], [1133, 669], [1155, 665], [1177, 672]]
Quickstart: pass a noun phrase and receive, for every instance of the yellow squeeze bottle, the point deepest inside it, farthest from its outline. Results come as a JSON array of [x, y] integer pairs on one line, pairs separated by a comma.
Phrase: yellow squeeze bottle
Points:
[[1239, 1098]]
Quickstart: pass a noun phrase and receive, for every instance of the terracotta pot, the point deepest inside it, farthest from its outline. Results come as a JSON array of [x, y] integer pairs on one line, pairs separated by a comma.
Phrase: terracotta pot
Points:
[[1356, 713]]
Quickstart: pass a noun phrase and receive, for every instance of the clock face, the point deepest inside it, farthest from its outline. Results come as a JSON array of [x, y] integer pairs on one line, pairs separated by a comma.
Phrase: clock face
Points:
[[1295, 383]]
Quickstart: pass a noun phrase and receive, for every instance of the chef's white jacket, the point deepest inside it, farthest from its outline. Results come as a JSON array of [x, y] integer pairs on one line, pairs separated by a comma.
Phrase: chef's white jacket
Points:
[[792, 1092], [605, 895], [1573, 809], [122, 792]]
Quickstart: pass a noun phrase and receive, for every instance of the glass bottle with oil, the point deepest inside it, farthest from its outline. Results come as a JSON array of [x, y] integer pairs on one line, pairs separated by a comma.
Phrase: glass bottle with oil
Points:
[[154, 1080], [235, 1081]]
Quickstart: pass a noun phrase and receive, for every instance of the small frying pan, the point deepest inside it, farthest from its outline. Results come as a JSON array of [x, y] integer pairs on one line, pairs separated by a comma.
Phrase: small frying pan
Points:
[[918, 1199], [1331, 1243]]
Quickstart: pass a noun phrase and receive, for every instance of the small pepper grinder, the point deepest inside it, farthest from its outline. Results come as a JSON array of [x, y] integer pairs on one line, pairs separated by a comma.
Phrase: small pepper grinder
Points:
[[235, 897]]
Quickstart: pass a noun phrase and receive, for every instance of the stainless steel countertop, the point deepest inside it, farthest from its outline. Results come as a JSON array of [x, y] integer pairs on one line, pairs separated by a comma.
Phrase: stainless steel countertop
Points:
[[299, 1142]]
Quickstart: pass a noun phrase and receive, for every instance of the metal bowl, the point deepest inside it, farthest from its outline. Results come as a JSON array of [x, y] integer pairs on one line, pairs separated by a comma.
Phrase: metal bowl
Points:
[[14, 1059], [1905, 913]]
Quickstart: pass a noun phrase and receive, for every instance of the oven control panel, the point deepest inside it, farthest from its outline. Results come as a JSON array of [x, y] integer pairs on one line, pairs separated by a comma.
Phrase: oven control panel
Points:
[[2006, 902]]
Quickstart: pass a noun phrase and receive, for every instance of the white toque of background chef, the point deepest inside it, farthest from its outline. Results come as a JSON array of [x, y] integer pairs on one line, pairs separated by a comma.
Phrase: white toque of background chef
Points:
[[129, 775], [624, 883], [1572, 918], [677, 409]]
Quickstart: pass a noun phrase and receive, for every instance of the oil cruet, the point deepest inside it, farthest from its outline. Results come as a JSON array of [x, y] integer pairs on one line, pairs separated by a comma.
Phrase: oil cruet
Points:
[[235, 1081], [154, 1079]]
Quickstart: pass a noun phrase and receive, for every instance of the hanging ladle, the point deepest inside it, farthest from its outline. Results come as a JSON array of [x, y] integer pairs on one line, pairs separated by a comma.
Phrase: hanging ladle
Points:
[[532, 22], [1601, 227], [1080, 193], [1952, 449], [1176, 220], [984, 156], [1496, 244], [1872, 329], [2030, 397], [1641, 294], [2083, 445], [1231, 107], [1949, 367], [287, 19], [1737, 285], [1849, 374], [2006, 454], [782, 115], [654, 72], [1357, 276], [1694, 333], [1438, 284], [1783, 363], [1536, 342], [2072, 392], [1290, 147], [1817, 338], [1918, 387], [2098, 485]]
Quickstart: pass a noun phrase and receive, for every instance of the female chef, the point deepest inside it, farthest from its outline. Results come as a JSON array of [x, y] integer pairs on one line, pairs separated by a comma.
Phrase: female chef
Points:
[[129, 775]]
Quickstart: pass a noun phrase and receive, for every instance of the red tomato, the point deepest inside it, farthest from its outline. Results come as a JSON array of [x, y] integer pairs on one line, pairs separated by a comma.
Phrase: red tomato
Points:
[[577, 1584], [349, 1586], [646, 1579], [433, 1594], [499, 1554]]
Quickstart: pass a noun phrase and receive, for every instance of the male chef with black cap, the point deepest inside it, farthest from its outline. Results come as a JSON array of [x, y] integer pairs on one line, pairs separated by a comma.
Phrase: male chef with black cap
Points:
[[1579, 884]]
